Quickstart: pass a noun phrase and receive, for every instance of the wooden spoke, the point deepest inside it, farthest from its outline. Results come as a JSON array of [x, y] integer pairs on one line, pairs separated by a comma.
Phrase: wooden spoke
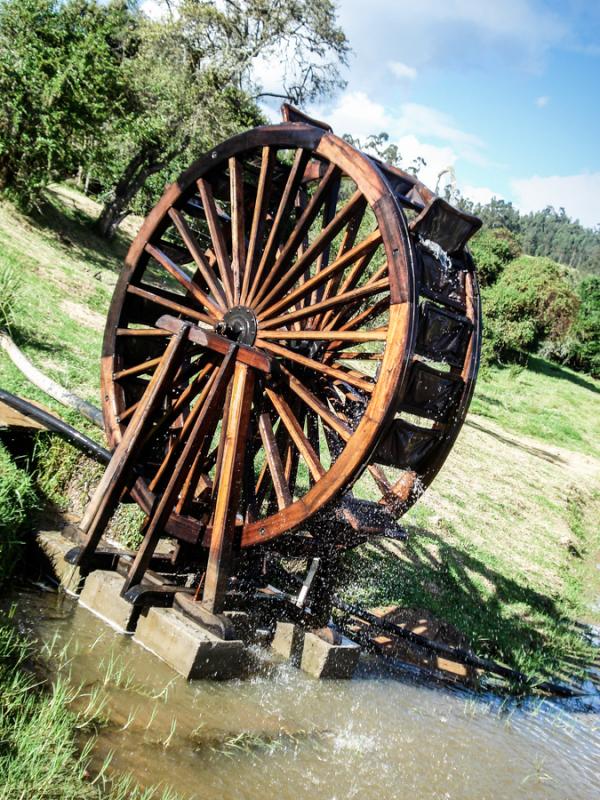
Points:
[[332, 372], [357, 355], [138, 369], [263, 191], [124, 415], [238, 225], [312, 401], [347, 244], [229, 487], [329, 209], [331, 302], [154, 296], [273, 459], [285, 205], [314, 250], [362, 318], [218, 239], [184, 280], [142, 332], [202, 264], [301, 229], [297, 435], [379, 335], [171, 456], [350, 281], [309, 285]]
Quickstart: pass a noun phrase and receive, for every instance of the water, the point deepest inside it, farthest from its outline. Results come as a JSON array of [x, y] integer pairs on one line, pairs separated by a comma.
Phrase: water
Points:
[[280, 734]]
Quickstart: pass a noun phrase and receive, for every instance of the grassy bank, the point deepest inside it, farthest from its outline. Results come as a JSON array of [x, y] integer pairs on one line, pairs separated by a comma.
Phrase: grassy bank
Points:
[[499, 545]]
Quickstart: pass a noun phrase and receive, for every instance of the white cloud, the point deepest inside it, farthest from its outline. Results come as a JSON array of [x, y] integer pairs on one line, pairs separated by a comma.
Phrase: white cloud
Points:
[[455, 34], [480, 194], [579, 195], [418, 130], [542, 102], [402, 71]]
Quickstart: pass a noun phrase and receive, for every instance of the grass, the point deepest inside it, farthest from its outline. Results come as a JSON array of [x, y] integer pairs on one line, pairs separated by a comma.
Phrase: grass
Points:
[[504, 543]]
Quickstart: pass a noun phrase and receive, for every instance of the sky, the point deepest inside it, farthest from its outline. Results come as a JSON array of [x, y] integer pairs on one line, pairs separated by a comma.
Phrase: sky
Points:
[[506, 93]]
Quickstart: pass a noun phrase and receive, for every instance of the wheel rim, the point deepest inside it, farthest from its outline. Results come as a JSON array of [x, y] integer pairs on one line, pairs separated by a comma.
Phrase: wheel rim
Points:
[[279, 238]]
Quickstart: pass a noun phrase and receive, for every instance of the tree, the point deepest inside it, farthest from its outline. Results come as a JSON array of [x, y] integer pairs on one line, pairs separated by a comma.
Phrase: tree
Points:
[[59, 77], [192, 81]]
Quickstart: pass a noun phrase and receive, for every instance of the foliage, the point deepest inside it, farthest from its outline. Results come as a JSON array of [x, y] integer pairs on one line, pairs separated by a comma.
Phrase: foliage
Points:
[[492, 249], [191, 82], [585, 333], [59, 80], [532, 301], [543, 233], [9, 291]]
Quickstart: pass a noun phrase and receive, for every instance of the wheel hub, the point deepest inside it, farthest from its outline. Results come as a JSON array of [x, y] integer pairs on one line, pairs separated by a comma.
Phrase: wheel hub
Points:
[[239, 324]]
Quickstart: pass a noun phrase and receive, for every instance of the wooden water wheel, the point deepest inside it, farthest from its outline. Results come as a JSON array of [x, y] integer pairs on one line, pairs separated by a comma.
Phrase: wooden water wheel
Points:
[[294, 319]]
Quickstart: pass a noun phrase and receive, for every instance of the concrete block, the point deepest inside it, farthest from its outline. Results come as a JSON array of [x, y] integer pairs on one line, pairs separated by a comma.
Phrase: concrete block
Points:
[[323, 660], [288, 640], [190, 649], [101, 595], [55, 546]]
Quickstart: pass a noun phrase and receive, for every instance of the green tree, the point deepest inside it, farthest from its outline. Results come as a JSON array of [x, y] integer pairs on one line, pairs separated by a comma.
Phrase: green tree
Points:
[[193, 80], [59, 77]]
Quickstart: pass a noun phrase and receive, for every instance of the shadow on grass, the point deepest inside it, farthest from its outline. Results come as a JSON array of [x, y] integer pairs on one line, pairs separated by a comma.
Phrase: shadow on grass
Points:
[[551, 370], [503, 618], [538, 452], [76, 234]]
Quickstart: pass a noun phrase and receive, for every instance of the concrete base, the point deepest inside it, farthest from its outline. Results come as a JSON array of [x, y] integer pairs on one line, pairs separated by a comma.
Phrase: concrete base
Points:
[[288, 640], [189, 649], [101, 594], [55, 546], [323, 660]]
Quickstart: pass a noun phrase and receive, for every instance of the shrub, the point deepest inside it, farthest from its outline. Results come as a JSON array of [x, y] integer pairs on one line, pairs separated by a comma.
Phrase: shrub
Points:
[[531, 303], [492, 250]]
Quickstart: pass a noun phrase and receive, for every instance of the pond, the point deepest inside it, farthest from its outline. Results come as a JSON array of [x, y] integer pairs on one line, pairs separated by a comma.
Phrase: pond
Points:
[[386, 734]]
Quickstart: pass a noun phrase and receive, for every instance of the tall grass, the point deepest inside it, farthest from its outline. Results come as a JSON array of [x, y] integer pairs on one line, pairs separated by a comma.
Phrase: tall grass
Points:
[[9, 290], [17, 501]]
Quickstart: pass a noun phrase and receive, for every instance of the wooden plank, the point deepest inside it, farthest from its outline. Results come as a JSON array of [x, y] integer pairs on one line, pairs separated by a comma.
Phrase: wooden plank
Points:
[[251, 356], [321, 277], [154, 297], [311, 363], [297, 236], [229, 488], [211, 410], [120, 469], [331, 302], [283, 211]]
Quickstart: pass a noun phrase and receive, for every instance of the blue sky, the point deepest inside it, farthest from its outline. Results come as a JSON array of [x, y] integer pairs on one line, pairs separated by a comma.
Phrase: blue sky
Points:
[[507, 93]]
